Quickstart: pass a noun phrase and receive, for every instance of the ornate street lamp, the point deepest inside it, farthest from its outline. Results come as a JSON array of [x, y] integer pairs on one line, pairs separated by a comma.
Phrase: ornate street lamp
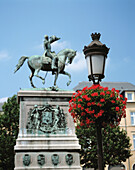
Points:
[[96, 54]]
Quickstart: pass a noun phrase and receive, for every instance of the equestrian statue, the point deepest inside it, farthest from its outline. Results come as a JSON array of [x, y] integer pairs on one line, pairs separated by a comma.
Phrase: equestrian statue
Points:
[[49, 61]]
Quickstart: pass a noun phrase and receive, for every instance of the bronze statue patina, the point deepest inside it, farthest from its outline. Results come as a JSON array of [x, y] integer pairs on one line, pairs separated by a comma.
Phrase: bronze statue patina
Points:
[[47, 48], [49, 61]]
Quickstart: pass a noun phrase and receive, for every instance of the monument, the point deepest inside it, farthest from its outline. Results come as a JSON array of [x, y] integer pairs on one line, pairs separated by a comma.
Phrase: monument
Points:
[[46, 138]]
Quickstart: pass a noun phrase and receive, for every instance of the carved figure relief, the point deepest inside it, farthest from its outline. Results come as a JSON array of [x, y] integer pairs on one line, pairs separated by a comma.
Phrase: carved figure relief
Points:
[[69, 159], [46, 119], [41, 159], [55, 159], [26, 160]]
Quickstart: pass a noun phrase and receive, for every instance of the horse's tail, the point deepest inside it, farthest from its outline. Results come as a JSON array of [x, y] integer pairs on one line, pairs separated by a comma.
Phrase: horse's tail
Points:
[[20, 63]]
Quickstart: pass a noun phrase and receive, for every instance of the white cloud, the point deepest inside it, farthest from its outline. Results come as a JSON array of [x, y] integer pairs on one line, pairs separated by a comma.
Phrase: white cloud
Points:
[[4, 99], [4, 55], [78, 63], [107, 64], [57, 46]]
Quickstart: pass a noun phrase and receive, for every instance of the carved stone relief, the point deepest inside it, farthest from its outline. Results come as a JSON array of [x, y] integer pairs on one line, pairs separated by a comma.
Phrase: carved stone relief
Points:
[[46, 119], [41, 159], [26, 160], [69, 159], [55, 159]]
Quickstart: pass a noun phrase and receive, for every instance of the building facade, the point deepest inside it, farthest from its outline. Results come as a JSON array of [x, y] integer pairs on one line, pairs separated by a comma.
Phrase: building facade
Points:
[[128, 123]]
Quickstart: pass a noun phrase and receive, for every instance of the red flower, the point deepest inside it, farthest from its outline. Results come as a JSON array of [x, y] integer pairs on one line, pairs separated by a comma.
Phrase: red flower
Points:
[[70, 100], [99, 104], [113, 89], [87, 121], [84, 88], [102, 93], [112, 95], [101, 111], [105, 88], [121, 96], [74, 99], [73, 115], [92, 111], [84, 96], [88, 104], [74, 106], [70, 109], [94, 94], [83, 114], [74, 121], [82, 108], [95, 86], [124, 102], [102, 100], [125, 99], [96, 116], [79, 100], [79, 105], [117, 91], [108, 92], [87, 110], [93, 107], [88, 99], [81, 124]]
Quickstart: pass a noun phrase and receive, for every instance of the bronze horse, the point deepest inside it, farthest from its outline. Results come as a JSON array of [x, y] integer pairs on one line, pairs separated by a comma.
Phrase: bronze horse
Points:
[[37, 63]]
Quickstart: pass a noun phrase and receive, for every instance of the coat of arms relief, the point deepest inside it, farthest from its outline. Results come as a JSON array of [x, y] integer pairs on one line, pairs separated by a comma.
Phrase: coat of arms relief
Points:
[[46, 119]]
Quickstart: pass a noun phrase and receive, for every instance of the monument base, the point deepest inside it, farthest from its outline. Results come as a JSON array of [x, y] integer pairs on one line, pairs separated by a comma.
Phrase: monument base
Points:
[[46, 137]]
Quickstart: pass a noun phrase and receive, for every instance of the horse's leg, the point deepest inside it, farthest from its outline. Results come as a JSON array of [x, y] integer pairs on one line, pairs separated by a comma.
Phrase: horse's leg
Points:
[[30, 77], [69, 75], [56, 76], [36, 74]]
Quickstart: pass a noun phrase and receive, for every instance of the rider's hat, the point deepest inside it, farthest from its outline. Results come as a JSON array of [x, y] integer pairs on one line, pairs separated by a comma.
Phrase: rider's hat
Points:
[[46, 36]]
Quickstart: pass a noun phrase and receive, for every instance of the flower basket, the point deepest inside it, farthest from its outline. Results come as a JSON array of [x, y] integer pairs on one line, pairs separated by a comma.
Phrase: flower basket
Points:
[[97, 105]]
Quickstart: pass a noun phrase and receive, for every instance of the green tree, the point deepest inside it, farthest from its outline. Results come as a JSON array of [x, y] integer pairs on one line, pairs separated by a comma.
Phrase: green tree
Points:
[[9, 123], [116, 146]]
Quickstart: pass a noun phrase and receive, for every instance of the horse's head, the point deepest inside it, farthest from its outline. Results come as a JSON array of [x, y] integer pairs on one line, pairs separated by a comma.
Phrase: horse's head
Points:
[[71, 56]]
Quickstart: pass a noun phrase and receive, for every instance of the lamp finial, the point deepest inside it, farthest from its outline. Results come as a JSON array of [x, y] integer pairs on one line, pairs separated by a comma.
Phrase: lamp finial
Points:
[[95, 36]]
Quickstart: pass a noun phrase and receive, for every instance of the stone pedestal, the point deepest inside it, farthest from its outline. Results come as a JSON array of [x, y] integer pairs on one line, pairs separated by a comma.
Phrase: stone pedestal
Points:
[[46, 137]]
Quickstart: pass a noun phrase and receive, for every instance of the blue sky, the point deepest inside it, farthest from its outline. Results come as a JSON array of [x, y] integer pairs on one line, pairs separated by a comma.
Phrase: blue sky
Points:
[[23, 24]]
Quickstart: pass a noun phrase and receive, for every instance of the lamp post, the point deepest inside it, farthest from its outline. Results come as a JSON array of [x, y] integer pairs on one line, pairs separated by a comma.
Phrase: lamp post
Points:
[[96, 54]]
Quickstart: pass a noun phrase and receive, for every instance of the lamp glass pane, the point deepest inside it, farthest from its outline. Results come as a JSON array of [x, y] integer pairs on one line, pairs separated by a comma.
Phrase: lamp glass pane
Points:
[[88, 65], [97, 64]]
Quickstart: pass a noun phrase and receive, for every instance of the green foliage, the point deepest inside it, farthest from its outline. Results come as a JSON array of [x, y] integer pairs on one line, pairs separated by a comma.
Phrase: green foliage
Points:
[[116, 146], [9, 123]]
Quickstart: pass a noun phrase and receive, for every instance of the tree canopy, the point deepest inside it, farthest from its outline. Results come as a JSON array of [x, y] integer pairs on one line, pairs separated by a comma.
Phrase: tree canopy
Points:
[[9, 123], [116, 146]]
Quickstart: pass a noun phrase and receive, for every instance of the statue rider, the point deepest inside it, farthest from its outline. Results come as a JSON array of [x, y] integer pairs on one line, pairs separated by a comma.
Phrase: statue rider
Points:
[[47, 48]]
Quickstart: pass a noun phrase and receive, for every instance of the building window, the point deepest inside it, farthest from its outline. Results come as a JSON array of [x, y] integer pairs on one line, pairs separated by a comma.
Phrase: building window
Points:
[[134, 141], [129, 96], [132, 118]]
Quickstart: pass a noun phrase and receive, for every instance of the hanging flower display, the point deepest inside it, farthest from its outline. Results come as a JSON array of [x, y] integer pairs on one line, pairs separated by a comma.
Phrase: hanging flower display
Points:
[[97, 104]]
